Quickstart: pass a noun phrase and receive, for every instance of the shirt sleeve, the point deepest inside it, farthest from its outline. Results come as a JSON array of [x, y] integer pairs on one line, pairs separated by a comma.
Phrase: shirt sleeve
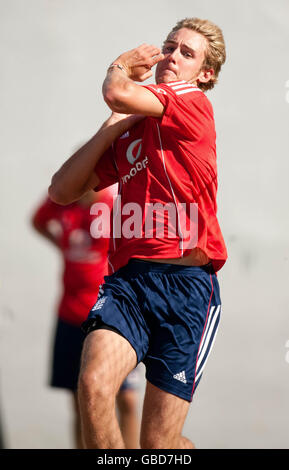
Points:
[[45, 212], [106, 170], [161, 93], [187, 111]]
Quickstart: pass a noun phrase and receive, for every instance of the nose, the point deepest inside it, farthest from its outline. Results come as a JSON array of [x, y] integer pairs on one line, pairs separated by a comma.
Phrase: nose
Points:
[[173, 56]]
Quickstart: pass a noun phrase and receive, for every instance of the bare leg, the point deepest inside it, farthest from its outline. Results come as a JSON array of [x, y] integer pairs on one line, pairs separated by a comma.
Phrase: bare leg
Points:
[[128, 417], [107, 358], [164, 415], [185, 443]]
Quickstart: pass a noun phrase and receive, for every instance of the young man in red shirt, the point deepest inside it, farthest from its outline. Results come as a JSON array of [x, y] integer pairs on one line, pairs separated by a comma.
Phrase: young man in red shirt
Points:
[[161, 304]]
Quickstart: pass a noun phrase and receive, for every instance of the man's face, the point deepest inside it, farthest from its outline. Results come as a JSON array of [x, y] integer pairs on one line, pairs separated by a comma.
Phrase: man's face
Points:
[[184, 52]]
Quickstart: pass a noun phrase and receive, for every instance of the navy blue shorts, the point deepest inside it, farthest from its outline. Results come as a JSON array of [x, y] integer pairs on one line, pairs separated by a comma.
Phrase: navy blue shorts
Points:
[[169, 314], [68, 341], [67, 349]]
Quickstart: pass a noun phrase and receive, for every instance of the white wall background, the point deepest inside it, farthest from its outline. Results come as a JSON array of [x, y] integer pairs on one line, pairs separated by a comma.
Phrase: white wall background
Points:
[[54, 54]]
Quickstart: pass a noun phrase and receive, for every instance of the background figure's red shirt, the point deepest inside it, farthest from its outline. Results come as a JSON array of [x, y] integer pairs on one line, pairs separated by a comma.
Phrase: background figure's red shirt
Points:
[[167, 160], [84, 257]]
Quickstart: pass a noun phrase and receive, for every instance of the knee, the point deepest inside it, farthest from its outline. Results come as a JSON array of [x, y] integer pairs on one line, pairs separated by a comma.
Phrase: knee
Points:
[[91, 387], [87, 384]]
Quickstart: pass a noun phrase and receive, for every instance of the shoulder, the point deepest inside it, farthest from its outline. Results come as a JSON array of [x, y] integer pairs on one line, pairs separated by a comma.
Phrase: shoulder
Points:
[[176, 89], [181, 94]]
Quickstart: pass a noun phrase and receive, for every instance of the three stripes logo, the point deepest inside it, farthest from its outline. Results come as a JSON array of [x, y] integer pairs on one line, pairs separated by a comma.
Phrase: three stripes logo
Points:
[[99, 304], [100, 299], [208, 339], [205, 347], [181, 376], [181, 87]]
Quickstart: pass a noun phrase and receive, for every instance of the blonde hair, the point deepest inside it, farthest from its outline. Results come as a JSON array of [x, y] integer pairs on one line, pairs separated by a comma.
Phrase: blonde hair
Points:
[[215, 55]]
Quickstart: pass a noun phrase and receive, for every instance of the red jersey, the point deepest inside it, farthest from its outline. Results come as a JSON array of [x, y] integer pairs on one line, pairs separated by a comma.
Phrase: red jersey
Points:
[[85, 257], [169, 164]]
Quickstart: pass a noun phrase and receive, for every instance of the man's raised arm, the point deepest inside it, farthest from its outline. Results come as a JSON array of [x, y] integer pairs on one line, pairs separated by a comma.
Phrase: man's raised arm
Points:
[[120, 91], [76, 176]]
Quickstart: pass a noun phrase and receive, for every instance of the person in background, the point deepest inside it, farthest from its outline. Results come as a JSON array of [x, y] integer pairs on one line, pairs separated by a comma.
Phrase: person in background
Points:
[[85, 265]]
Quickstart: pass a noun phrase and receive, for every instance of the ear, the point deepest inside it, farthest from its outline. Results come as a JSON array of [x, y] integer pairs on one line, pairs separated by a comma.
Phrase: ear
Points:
[[205, 75]]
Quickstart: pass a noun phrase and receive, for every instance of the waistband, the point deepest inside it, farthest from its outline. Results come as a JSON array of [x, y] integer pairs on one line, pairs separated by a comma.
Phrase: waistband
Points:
[[142, 266]]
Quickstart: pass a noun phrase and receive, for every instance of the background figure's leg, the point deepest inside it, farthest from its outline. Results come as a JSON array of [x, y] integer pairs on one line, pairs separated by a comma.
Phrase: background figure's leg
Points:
[[78, 443], [107, 358], [127, 403], [163, 418]]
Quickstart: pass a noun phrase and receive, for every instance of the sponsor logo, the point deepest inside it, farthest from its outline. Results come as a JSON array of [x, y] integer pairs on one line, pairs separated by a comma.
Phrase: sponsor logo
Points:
[[99, 304], [181, 376], [132, 154], [161, 91], [125, 135], [133, 151], [135, 169]]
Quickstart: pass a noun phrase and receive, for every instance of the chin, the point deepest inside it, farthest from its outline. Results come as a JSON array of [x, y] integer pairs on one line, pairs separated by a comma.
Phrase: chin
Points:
[[166, 77]]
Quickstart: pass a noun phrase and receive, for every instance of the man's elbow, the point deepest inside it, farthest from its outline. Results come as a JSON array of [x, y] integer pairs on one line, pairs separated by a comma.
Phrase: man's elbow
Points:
[[57, 195], [118, 100]]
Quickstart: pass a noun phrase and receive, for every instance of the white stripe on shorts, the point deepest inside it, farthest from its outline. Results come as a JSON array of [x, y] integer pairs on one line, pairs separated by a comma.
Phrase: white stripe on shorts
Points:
[[207, 341]]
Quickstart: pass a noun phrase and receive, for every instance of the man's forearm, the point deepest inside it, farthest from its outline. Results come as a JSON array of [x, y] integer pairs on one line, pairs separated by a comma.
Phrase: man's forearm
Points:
[[116, 87], [76, 176], [119, 89]]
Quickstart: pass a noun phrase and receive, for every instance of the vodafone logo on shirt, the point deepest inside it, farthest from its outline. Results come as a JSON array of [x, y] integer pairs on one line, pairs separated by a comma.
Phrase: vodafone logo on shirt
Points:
[[133, 151], [132, 154]]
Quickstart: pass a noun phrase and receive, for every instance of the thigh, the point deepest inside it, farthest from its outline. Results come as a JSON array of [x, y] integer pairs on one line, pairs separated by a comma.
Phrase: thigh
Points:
[[118, 307], [163, 418], [108, 356], [185, 326]]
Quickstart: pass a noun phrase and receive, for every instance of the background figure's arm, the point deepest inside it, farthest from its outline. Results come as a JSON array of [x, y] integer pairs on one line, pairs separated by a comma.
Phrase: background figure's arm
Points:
[[40, 219], [76, 176], [44, 232], [120, 91]]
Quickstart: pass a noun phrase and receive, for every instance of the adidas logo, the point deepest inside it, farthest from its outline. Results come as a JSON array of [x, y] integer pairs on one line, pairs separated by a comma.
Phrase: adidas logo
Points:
[[99, 304], [126, 134], [181, 376]]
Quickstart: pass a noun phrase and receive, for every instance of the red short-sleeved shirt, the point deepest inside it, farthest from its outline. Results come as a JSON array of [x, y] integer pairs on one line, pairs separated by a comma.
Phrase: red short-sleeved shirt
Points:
[[85, 257], [170, 161]]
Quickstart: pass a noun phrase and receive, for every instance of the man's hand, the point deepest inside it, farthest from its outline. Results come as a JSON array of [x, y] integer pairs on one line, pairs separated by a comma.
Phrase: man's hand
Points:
[[138, 62], [124, 121], [122, 94]]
